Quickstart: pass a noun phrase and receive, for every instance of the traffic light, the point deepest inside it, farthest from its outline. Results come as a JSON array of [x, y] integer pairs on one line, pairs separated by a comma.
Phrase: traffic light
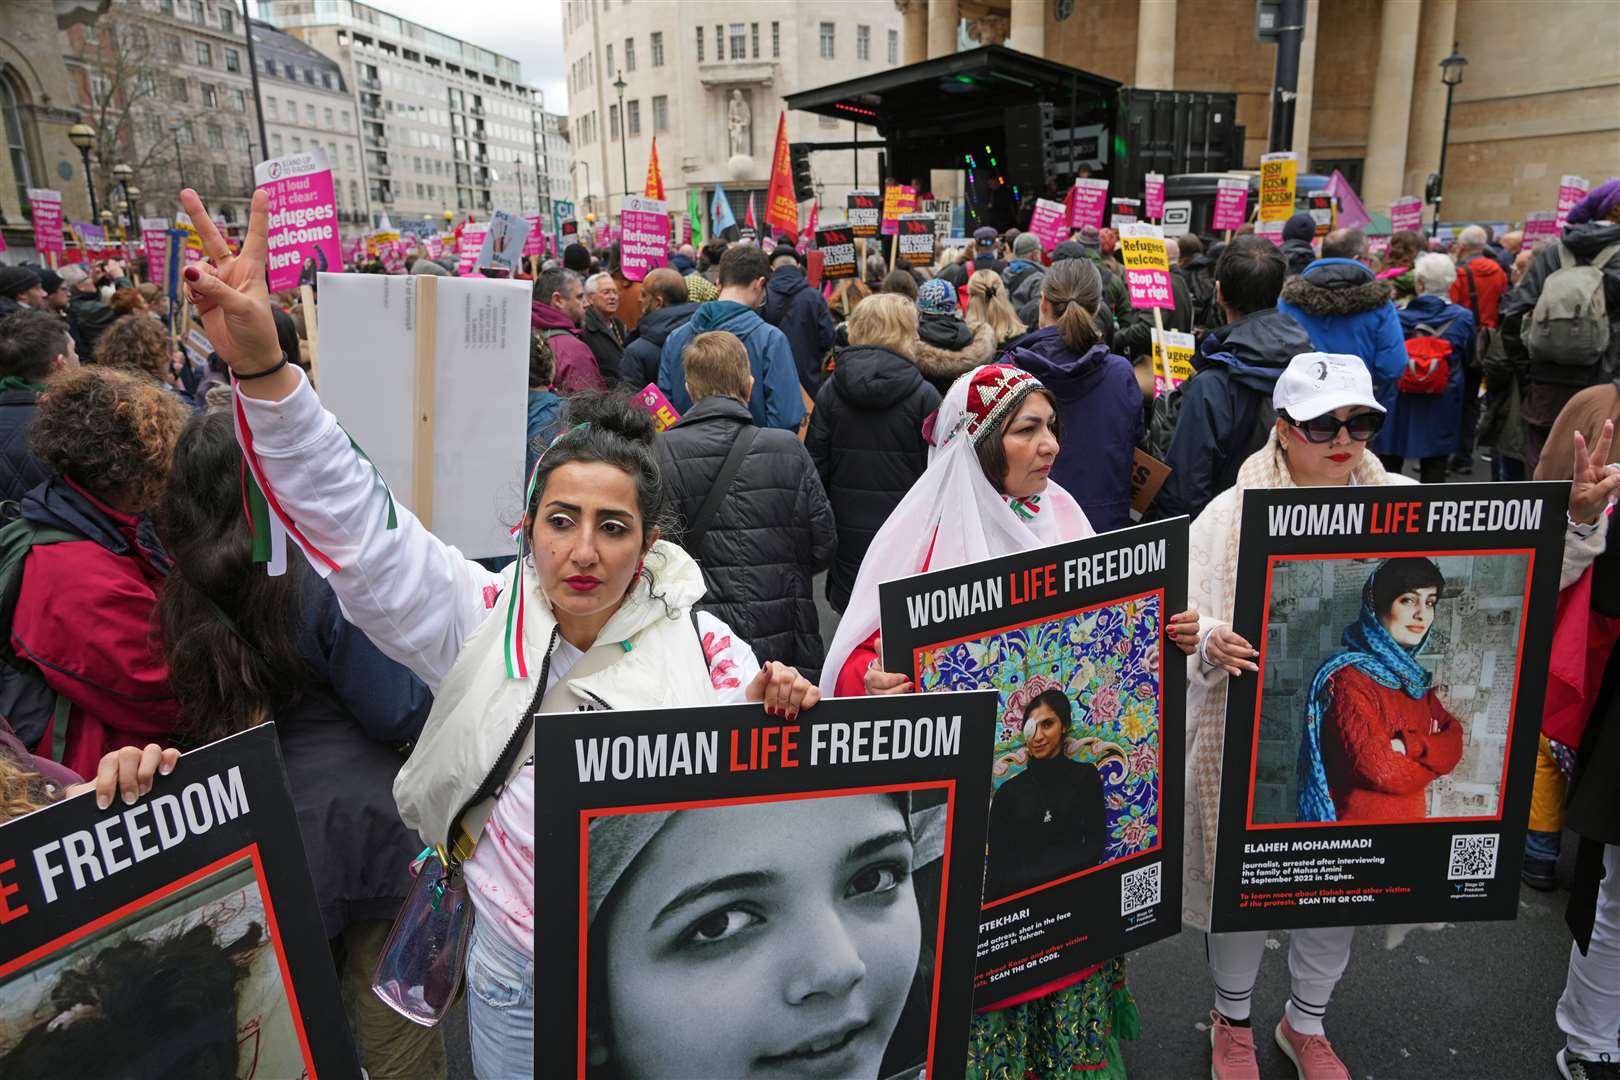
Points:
[[804, 184]]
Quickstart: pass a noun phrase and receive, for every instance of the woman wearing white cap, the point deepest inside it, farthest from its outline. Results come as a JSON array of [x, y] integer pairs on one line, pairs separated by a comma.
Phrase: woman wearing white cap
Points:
[[1326, 413]]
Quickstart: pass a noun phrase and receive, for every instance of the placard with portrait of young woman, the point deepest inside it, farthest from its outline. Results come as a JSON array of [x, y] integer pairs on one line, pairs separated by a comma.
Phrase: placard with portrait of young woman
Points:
[[1084, 854], [728, 893], [1378, 767]]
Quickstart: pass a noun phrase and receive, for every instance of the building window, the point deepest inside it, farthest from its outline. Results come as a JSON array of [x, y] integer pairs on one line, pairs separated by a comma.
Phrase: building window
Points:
[[776, 40], [719, 42], [205, 54], [610, 58], [658, 50], [344, 116], [16, 144], [210, 96], [222, 178], [271, 109], [327, 116], [276, 148], [629, 54], [177, 51], [216, 137], [309, 115], [863, 43], [297, 145], [660, 113], [181, 91], [613, 123], [199, 14], [699, 30], [183, 133], [632, 116], [239, 100], [227, 20], [326, 79], [242, 137], [233, 60], [348, 156], [739, 44], [894, 46], [753, 39], [827, 42]]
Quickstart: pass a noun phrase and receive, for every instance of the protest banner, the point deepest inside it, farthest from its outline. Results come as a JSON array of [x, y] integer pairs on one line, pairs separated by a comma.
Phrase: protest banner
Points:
[[1147, 266], [686, 230], [155, 244], [865, 212], [1348, 210], [781, 208], [679, 830], [502, 245], [898, 199], [1571, 190], [1277, 173], [443, 430], [652, 399], [917, 239], [1406, 214], [1324, 210], [1539, 225], [1088, 203], [199, 891], [941, 210], [1125, 212], [1378, 767], [1173, 353], [837, 246], [1153, 196], [1049, 224], [469, 246], [303, 216], [645, 243], [45, 207], [1178, 216], [1084, 858], [563, 225], [535, 243], [1231, 204]]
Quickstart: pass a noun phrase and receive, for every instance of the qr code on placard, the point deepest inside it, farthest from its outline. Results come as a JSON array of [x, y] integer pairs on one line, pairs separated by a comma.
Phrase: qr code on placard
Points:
[[1473, 857], [1139, 889]]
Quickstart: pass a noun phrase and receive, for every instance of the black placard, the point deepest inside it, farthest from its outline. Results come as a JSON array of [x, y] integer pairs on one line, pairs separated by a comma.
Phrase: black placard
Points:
[[1427, 812], [917, 238], [1084, 618], [865, 210], [729, 892], [837, 246], [205, 875]]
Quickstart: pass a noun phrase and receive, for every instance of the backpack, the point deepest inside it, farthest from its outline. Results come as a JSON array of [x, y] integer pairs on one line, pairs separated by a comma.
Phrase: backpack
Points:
[[1570, 324], [26, 702], [1428, 360]]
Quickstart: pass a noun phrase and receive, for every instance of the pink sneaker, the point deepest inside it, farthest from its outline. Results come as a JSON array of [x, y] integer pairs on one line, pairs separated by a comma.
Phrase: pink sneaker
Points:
[[1312, 1055], [1231, 1050]]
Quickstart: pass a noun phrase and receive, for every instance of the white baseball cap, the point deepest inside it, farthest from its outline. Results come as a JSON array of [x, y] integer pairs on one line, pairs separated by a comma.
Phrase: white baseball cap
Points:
[[1317, 383]]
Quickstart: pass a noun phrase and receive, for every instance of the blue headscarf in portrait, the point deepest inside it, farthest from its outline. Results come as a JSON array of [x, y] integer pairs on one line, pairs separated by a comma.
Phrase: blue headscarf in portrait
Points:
[[1370, 650]]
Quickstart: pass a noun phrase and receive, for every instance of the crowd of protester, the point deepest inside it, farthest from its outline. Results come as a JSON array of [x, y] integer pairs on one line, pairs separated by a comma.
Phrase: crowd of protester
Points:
[[909, 417]]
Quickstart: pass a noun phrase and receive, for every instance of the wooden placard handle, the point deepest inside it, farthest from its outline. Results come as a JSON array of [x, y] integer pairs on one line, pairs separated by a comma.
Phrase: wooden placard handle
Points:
[[427, 328]]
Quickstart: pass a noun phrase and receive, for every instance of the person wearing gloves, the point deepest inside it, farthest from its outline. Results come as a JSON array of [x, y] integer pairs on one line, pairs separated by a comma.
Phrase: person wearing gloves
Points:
[[946, 345], [595, 613], [987, 492], [1326, 413]]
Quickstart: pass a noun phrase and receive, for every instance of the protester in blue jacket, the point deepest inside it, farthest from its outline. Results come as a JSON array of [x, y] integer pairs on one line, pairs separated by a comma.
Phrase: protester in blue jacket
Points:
[[1429, 426], [1345, 309], [777, 401], [799, 311]]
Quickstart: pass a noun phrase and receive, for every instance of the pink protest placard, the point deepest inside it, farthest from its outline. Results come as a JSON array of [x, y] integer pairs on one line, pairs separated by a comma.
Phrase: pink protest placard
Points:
[[535, 244], [644, 245], [472, 240], [46, 206], [1048, 225], [1147, 265], [1539, 225], [898, 199], [1090, 203], [303, 217], [1571, 190], [1406, 214], [1271, 230], [652, 399], [686, 229], [1231, 204], [155, 239], [1153, 195]]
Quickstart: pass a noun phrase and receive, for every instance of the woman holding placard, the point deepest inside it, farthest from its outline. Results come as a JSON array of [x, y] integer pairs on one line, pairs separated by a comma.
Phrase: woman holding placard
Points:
[[594, 614]]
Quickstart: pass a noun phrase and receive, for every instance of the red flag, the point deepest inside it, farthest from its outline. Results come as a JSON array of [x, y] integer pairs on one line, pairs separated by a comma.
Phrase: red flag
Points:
[[749, 219], [655, 176], [781, 208], [810, 226]]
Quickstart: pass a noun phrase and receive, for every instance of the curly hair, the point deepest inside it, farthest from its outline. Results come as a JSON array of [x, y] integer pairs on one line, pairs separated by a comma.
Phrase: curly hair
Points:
[[21, 791], [111, 432], [134, 343]]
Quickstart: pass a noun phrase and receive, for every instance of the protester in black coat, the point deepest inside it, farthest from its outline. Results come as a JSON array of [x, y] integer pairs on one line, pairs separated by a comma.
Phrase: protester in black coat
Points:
[[773, 529], [35, 346], [1298, 233], [865, 434], [601, 329], [797, 310], [664, 308]]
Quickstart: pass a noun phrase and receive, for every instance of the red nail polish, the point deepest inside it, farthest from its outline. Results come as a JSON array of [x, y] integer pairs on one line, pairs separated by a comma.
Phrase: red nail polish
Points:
[[193, 274]]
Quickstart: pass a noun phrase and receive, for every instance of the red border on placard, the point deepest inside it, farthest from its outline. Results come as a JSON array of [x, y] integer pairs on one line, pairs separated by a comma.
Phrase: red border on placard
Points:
[[250, 852], [948, 786], [1158, 731], [1260, 687]]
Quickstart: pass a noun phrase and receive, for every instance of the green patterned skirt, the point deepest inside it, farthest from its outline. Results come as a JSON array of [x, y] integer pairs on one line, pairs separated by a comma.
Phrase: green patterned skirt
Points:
[[1073, 1031]]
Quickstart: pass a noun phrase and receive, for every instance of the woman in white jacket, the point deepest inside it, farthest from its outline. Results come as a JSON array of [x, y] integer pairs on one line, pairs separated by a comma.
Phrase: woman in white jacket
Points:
[[598, 618]]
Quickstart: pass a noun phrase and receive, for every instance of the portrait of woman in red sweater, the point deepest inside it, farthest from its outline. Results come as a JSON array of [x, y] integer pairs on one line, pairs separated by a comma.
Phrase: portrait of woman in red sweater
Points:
[[1376, 733]]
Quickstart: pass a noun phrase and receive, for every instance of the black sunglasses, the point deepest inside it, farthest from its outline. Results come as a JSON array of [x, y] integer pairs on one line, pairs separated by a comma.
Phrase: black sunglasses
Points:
[[1325, 428]]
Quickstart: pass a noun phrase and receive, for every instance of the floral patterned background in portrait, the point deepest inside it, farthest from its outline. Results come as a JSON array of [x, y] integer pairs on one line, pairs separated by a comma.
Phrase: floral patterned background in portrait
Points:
[[1106, 660]]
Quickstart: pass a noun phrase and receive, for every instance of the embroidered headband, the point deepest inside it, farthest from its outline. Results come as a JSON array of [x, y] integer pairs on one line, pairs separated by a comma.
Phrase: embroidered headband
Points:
[[992, 394]]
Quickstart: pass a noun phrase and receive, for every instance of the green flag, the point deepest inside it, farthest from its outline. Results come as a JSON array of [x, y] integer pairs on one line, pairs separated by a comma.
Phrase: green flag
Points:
[[694, 211]]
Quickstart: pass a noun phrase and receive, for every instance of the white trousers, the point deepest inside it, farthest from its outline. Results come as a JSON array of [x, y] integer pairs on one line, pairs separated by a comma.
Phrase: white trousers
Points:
[[1316, 960], [1589, 1010]]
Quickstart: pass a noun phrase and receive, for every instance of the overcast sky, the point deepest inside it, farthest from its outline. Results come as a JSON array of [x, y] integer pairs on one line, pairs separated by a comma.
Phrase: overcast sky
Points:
[[529, 31]]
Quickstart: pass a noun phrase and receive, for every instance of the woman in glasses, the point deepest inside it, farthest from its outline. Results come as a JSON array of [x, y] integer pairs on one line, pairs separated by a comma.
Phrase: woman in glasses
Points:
[[1326, 413]]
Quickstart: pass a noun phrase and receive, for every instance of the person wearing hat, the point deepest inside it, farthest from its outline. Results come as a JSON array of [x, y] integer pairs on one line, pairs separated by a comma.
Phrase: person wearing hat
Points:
[[20, 288], [1326, 412], [1299, 235], [986, 250], [946, 345], [1024, 271], [56, 292]]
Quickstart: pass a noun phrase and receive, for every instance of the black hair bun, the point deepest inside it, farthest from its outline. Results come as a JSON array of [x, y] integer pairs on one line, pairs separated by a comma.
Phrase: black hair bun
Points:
[[615, 413]]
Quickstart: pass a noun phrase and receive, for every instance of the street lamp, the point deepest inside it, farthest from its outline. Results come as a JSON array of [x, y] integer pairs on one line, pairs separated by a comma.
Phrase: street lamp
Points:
[[84, 137], [123, 174], [1451, 73], [517, 167], [624, 133]]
